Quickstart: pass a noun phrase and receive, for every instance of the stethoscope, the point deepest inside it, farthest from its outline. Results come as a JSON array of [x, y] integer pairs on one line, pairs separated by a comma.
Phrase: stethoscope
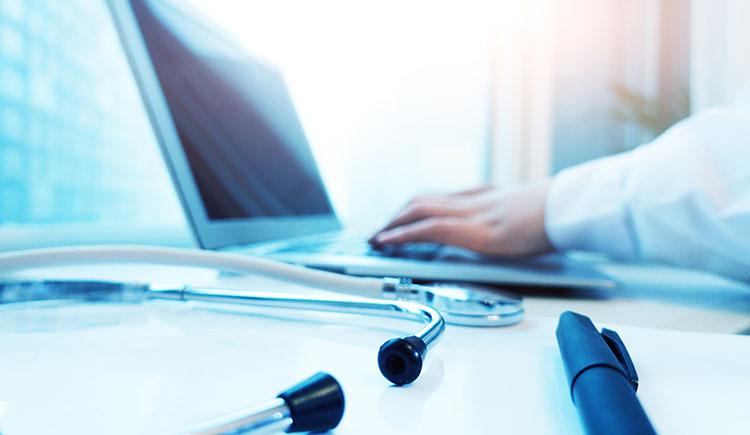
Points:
[[399, 359], [460, 304]]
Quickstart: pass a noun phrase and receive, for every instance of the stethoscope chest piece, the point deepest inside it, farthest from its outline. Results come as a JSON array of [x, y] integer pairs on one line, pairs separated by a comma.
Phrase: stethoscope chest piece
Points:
[[462, 304]]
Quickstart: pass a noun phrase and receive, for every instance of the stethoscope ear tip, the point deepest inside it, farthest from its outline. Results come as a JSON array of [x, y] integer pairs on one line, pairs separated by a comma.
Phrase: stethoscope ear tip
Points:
[[315, 404], [400, 359]]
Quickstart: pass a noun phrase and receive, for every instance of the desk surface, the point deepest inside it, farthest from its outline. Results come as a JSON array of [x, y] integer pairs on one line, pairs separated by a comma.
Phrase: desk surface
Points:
[[655, 297], [155, 368]]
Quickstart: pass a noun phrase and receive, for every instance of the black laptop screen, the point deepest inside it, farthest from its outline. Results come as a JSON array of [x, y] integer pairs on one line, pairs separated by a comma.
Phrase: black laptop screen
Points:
[[235, 118]]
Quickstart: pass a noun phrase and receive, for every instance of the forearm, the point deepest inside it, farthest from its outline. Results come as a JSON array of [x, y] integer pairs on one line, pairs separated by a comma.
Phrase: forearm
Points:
[[684, 199]]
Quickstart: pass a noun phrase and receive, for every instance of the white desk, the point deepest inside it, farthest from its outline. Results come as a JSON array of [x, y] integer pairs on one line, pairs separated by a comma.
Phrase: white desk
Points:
[[655, 297], [156, 367]]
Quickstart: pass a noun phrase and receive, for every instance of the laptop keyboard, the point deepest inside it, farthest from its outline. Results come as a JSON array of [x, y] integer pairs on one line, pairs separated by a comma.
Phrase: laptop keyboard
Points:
[[357, 246]]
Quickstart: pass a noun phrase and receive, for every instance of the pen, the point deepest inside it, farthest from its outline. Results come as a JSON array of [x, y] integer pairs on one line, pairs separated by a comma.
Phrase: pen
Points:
[[602, 378]]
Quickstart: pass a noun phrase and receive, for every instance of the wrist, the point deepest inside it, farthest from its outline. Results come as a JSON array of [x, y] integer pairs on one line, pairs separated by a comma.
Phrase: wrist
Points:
[[584, 209]]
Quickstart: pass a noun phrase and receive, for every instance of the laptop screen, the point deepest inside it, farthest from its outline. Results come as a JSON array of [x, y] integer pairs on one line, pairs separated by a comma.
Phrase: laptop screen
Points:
[[235, 119]]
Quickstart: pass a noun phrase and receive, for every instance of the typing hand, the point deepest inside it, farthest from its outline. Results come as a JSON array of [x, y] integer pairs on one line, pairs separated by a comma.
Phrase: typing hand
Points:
[[494, 221]]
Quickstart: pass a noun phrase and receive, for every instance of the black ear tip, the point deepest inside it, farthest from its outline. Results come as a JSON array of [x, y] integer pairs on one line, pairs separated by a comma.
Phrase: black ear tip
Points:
[[400, 359], [315, 404]]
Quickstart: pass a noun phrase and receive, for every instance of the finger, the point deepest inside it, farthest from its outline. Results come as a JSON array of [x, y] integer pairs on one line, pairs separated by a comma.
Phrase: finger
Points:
[[460, 204], [449, 231], [474, 190], [425, 206], [418, 210]]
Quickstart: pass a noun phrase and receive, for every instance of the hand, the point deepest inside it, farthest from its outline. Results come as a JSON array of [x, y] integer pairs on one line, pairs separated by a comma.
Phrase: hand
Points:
[[506, 222]]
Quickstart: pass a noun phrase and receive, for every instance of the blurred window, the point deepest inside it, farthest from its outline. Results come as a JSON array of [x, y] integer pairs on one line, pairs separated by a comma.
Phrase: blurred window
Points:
[[75, 144]]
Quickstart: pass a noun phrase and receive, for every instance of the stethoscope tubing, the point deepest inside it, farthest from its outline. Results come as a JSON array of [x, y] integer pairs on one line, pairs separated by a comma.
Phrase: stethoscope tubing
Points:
[[222, 261]]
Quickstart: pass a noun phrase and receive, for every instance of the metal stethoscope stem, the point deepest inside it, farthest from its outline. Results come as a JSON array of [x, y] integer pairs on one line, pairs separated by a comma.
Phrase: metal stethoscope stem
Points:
[[313, 405], [399, 359], [272, 416], [433, 321]]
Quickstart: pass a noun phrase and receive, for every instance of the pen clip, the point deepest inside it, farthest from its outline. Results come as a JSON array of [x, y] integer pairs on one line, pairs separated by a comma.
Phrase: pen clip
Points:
[[621, 353]]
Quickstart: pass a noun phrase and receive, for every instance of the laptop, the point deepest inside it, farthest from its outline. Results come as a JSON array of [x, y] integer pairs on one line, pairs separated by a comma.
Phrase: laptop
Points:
[[245, 173]]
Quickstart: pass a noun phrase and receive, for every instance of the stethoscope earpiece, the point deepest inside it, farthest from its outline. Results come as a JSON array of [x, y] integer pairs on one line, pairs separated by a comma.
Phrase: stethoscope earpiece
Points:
[[400, 359]]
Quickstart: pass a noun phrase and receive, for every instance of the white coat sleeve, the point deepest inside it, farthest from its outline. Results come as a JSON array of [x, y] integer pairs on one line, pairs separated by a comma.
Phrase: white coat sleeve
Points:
[[683, 199]]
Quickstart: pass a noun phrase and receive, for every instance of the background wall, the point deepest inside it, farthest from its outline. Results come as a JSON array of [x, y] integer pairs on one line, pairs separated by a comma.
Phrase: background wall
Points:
[[720, 67], [602, 77]]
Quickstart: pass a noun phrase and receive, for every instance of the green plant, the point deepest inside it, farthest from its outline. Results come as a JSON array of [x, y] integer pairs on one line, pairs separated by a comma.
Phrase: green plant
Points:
[[652, 115]]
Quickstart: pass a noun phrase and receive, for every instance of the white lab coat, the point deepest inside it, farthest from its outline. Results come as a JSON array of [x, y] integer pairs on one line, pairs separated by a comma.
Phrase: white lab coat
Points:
[[683, 199]]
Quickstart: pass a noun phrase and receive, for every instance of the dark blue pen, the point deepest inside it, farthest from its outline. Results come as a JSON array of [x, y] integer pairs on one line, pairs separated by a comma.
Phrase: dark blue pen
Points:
[[602, 378]]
